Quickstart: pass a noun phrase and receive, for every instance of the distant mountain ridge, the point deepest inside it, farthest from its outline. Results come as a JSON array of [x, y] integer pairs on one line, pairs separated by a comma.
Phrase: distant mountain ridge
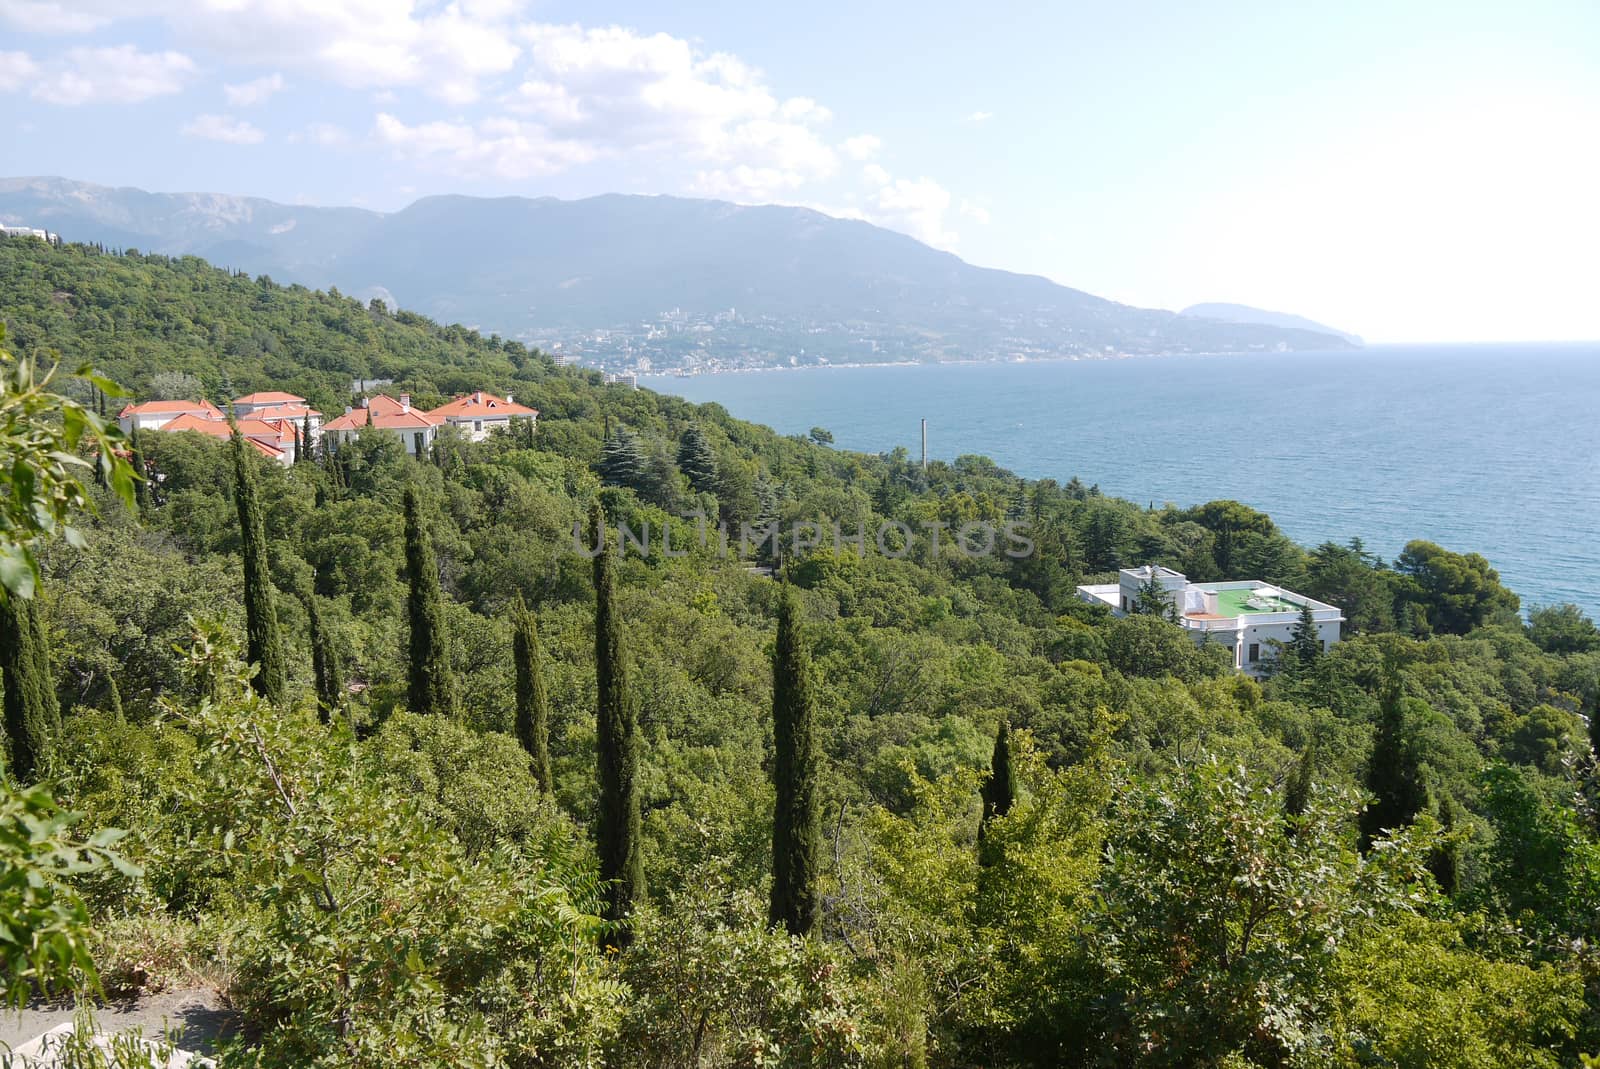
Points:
[[627, 280], [1243, 313]]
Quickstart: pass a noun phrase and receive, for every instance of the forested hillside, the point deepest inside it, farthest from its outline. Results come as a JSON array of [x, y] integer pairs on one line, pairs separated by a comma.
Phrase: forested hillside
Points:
[[482, 801]]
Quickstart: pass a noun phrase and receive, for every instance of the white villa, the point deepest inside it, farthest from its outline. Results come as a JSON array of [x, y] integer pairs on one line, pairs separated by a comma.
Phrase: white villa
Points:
[[1244, 617], [273, 423], [479, 413], [154, 415], [416, 428]]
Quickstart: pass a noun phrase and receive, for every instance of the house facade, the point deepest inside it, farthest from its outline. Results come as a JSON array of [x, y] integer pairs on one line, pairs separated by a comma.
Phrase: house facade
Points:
[[416, 429], [479, 414], [274, 428], [155, 415], [1247, 618]]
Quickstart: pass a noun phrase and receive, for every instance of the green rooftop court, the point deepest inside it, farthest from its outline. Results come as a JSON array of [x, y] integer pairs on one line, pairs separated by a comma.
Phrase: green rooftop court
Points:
[[1236, 603]]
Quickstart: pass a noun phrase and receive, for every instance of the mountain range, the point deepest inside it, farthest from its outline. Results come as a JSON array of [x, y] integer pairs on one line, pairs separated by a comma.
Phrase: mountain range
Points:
[[650, 281], [1243, 313]]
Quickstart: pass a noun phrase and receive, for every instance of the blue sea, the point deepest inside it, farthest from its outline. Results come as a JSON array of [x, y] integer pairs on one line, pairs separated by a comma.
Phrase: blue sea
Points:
[[1491, 449]]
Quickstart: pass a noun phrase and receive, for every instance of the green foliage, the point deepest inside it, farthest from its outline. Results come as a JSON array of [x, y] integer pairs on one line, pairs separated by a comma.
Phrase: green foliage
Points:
[[713, 988], [432, 684], [999, 792], [1419, 997], [1394, 770], [327, 668], [32, 714], [1102, 921], [1456, 592], [1219, 928], [796, 841], [43, 470], [265, 647], [1563, 629], [617, 830], [44, 924], [697, 460], [533, 702]]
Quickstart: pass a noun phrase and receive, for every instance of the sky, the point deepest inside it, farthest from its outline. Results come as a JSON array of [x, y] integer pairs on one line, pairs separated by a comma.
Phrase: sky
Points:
[[1425, 171]]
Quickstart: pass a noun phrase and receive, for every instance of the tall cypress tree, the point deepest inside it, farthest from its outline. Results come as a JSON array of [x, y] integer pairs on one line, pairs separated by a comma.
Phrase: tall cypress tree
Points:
[[1297, 792], [616, 723], [533, 704], [999, 791], [433, 684], [263, 645], [114, 700], [1444, 862], [1394, 772], [326, 671], [796, 844], [32, 715]]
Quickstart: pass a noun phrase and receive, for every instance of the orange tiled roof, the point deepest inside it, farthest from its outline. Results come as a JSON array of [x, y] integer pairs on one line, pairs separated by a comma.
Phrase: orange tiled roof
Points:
[[216, 428], [478, 405], [161, 407], [269, 397], [283, 411], [385, 413]]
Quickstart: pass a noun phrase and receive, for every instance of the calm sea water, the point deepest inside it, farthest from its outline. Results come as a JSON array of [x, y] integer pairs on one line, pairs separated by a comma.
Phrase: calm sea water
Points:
[[1493, 449]]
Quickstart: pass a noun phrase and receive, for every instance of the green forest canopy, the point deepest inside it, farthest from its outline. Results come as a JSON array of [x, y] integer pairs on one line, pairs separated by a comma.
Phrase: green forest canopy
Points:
[[406, 895]]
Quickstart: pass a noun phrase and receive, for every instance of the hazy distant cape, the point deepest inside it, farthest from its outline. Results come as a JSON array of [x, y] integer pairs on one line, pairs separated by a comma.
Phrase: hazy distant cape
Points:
[[675, 280], [1243, 313]]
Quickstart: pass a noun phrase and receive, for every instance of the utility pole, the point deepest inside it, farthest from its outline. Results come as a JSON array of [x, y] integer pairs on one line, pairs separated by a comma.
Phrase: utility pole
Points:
[[924, 446]]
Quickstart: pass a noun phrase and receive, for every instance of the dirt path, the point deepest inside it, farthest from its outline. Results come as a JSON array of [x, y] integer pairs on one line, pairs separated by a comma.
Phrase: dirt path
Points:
[[196, 1011]]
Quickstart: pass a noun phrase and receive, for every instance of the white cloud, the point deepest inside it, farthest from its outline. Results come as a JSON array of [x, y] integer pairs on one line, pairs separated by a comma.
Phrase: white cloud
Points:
[[500, 147], [48, 16], [321, 133], [618, 91], [745, 183], [916, 206], [119, 73], [444, 49], [224, 128], [249, 93], [17, 69], [975, 211], [527, 99], [862, 146], [980, 116]]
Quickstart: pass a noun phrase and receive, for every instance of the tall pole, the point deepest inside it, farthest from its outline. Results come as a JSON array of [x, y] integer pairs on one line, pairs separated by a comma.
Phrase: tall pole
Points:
[[924, 446]]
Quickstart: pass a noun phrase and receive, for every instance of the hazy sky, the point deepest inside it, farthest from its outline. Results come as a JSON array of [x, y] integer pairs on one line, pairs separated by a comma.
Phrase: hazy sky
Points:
[[1409, 171]]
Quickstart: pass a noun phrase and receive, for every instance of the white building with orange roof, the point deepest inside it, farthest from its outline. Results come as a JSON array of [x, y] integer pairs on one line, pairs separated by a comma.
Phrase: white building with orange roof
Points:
[[154, 415], [416, 428], [250, 403], [478, 414], [268, 439]]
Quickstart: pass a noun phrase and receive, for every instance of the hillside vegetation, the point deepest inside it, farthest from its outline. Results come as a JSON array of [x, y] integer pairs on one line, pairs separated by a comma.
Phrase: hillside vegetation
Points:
[[1013, 830]]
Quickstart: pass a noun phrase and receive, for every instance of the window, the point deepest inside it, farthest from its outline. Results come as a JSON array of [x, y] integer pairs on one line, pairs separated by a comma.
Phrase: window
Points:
[[416, 441], [1255, 652], [477, 426]]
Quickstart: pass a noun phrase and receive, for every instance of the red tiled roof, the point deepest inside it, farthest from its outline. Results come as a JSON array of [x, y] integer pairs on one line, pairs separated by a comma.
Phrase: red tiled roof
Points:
[[478, 405], [283, 411], [269, 397], [163, 407], [385, 413], [216, 428]]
